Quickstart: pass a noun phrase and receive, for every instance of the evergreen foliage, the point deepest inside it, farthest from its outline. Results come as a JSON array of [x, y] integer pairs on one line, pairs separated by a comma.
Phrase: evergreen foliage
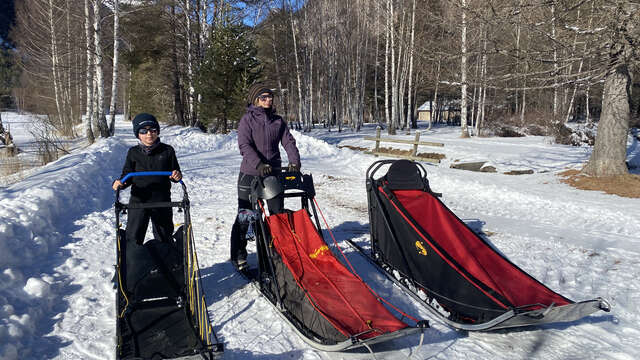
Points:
[[148, 35], [230, 66], [8, 70], [8, 78], [7, 20], [150, 92]]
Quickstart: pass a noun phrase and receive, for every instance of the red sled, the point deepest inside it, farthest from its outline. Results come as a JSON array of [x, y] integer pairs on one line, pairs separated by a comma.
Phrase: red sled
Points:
[[330, 307], [436, 258]]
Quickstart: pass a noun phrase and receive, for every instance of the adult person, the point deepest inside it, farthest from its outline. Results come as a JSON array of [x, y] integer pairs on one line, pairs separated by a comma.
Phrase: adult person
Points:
[[149, 155], [260, 132]]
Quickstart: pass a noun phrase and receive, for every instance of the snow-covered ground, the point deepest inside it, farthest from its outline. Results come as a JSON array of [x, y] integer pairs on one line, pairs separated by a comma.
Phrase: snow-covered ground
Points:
[[57, 247]]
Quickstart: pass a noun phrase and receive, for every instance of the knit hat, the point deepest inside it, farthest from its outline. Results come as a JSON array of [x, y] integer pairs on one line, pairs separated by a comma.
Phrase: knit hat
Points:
[[143, 119], [256, 90]]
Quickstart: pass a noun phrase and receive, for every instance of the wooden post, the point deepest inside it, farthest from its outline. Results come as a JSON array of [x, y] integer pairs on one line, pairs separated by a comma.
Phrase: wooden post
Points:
[[378, 129], [415, 144]]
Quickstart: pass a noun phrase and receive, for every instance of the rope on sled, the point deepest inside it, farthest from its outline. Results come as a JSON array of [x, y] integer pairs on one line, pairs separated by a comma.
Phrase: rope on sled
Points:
[[353, 270]]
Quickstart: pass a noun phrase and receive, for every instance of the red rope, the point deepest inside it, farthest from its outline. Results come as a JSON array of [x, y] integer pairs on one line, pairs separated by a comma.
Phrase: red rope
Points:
[[306, 293], [353, 270]]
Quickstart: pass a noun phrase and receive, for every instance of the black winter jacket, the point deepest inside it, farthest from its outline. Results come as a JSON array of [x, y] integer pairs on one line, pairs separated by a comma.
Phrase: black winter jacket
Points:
[[150, 188]]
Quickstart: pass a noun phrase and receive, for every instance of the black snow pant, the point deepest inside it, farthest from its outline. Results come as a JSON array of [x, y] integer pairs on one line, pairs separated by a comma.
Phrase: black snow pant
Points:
[[239, 229], [161, 220]]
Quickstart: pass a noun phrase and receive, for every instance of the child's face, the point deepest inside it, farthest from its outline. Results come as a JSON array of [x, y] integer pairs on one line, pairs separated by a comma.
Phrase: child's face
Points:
[[150, 137]]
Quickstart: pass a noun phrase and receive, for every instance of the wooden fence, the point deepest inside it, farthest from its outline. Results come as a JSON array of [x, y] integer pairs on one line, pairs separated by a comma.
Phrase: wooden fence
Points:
[[413, 153]]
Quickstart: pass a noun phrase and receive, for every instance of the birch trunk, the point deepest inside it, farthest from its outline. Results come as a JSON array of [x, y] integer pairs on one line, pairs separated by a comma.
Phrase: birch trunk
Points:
[[375, 71], [276, 63], [295, 52], [114, 80], [483, 88], [463, 72], [191, 97], [394, 90], [386, 68], [102, 121], [68, 89], [584, 51], [178, 106], [555, 61], [434, 105], [54, 66], [399, 80], [89, 83], [310, 113]]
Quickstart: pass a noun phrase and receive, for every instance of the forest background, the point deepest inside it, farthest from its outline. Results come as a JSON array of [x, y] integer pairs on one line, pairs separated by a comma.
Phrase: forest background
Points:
[[499, 67]]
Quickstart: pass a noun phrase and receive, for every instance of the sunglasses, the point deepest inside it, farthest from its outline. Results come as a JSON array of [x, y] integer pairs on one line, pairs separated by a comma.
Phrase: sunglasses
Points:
[[144, 131], [265, 97]]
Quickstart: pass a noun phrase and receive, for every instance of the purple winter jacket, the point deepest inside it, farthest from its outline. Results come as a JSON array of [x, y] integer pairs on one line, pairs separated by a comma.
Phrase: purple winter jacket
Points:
[[259, 134]]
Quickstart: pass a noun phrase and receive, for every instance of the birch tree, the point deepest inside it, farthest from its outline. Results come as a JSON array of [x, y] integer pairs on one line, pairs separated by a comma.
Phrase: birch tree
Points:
[[298, 75], [99, 72], [463, 70], [387, 36], [54, 65], [411, 53], [190, 86], [114, 78], [89, 75]]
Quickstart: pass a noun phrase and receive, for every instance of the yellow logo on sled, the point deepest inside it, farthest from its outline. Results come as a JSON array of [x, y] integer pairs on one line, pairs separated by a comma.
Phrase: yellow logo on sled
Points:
[[421, 250], [290, 177], [319, 251]]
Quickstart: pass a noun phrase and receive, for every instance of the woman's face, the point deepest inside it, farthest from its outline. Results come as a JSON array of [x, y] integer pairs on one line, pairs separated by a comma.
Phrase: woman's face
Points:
[[265, 100]]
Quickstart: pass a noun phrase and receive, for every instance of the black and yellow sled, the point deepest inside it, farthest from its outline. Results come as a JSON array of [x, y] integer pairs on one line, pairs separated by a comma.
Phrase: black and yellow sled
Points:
[[160, 304]]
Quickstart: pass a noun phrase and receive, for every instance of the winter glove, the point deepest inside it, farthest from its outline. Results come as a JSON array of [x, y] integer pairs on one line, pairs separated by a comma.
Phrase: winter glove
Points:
[[264, 169], [294, 167]]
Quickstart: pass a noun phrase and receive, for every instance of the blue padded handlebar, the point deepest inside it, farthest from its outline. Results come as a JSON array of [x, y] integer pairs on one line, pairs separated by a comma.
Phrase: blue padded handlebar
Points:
[[146, 173]]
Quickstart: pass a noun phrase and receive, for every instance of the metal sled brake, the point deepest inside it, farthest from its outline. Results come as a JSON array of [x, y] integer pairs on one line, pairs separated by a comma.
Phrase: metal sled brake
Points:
[[331, 308], [160, 305], [425, 248]]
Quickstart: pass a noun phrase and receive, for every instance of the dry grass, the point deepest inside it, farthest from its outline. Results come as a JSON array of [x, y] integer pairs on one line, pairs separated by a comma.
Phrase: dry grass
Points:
[[621, 185], [409, 152], [356, 148], [10, 165]]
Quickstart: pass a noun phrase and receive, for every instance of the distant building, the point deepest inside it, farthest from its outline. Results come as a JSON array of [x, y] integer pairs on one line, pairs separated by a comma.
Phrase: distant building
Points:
[[449, 111]]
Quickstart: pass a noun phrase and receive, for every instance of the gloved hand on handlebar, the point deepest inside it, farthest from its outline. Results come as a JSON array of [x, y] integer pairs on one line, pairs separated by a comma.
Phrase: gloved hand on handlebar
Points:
[[264, 169], [294, 167]]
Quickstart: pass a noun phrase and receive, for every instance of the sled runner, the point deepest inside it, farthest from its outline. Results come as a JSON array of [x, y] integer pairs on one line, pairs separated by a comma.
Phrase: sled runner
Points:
[[440, 261], [160, 305], [329, 307]]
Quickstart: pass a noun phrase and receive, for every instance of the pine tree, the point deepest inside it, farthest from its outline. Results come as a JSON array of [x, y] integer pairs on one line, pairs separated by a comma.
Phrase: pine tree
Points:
[[230, 66]]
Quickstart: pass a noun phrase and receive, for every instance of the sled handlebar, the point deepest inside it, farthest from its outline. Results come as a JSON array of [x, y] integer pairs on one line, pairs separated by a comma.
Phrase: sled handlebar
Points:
[[379, 163], [147, 173]]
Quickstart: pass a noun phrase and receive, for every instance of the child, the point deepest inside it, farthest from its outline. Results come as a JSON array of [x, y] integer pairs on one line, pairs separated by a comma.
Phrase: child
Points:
[[149, 155]]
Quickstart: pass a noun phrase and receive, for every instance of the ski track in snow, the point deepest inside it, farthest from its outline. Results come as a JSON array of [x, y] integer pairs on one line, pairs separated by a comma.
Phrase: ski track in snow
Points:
[[57, 251]]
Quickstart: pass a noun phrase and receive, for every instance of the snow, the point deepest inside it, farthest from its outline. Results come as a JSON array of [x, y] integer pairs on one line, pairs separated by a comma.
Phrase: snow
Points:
[[57, 246]]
